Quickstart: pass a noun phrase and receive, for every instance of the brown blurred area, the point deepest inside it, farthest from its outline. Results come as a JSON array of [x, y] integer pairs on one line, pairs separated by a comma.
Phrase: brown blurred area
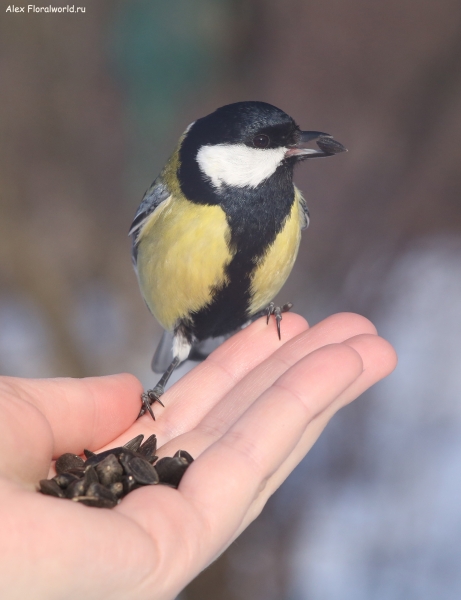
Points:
[[64, 212], [83, 134]]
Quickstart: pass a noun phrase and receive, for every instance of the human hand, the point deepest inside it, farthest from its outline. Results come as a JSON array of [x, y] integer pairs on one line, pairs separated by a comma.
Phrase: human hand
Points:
[[248, 414]]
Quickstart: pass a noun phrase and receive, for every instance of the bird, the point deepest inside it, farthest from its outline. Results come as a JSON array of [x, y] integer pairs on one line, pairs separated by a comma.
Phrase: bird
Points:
[[217, 233]]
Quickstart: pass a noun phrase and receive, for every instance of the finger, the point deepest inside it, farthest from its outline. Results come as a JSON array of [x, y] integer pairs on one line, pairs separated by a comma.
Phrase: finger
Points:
[[233, 471], [333, 330], [194, 394], [48, 417], [379, 359], [25, 450], [219, 418]]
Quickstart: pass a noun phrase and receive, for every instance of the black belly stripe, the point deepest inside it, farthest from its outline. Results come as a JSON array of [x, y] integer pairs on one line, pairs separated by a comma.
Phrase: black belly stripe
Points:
[[228, 309], [255, 217]]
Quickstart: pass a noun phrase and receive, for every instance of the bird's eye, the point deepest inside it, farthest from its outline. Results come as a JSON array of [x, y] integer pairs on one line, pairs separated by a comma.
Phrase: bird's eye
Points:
[[261, 141]]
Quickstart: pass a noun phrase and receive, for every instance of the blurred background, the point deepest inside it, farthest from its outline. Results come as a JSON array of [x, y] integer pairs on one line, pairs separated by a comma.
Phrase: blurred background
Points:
[[91, 106]]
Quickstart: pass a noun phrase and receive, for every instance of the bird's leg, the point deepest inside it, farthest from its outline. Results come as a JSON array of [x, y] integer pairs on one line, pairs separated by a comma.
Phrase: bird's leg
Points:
[[277, 312], [153, 395]]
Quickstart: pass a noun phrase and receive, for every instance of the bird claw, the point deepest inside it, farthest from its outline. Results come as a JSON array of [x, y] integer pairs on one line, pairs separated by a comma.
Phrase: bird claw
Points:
[[148, 398], [277, 312]]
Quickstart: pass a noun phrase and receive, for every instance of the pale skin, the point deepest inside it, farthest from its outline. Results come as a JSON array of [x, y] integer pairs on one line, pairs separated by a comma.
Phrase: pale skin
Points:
[[248, 414]]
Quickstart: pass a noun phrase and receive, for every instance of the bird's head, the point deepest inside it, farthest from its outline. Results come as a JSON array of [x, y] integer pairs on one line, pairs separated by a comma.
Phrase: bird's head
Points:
[[243, 144]]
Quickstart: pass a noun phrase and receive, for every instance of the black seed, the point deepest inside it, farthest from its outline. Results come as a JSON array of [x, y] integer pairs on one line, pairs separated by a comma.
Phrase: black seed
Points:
[[185, 455], [106, 477], [149, 448], [329, 145], [94, 460], [96, 490], [109, 470], [68, 461], [124, 459], [96, 502], [79, 473], [117, 489], [171, 469], [64, 479], [129, 484], [51, 488], [97, 458], [143, 472], [76, 488], [91, 476], [134, 444]]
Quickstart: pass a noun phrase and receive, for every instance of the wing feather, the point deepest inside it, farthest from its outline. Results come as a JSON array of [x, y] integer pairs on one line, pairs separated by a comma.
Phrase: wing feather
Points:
[[304, 209], [156, 195]]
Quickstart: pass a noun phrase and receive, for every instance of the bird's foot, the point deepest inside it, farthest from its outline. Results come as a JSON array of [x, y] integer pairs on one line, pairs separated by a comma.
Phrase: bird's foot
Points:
[[277, 312], [148, 398]]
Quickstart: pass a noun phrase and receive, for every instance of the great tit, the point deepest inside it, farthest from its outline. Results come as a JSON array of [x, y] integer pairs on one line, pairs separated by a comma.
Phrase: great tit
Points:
[[217, 233]]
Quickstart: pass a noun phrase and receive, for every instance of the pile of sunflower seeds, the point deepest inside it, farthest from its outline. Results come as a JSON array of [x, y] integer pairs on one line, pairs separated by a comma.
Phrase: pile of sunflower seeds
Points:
[[105, 478]]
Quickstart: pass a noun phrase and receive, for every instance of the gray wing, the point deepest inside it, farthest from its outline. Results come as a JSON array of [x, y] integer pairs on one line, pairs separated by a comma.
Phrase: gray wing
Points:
[[155, 195], [305, 221]]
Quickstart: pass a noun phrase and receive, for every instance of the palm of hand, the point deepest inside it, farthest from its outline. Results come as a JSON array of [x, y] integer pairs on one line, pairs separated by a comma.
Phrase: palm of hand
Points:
[[250, 413]]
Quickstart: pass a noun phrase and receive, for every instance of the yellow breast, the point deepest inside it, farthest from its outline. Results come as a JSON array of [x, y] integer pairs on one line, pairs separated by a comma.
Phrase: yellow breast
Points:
[[274, 267], [182, 255]]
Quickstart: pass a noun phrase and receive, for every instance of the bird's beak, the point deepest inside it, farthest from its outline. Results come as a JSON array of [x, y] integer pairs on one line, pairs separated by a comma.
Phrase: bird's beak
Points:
[[328, 146]]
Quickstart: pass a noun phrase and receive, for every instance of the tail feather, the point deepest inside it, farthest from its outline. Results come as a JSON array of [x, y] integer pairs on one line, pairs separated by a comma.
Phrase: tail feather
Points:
[[200, 350], [164, 353]]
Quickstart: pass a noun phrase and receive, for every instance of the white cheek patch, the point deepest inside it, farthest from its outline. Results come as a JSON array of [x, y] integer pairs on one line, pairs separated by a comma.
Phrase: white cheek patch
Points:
[[238, 165]]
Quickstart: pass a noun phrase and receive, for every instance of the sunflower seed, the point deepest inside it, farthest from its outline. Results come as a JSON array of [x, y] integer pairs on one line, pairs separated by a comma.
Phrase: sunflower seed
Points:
[[96, 490], [329, 145], [134, 443], [64, 479], [117, 489], [76, 488], [109, 470], [50, 488], [96, 502], [171, 469], [106, 477], [68, 461], [117, 452], [91, 476], [143, 471], [77, 472], [149, 448], [184, 454], [124, 458], [129, 484]]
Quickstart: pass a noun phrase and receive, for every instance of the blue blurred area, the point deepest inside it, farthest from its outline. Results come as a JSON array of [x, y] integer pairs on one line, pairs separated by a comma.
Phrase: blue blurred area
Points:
[[392, 530], [24, 340]]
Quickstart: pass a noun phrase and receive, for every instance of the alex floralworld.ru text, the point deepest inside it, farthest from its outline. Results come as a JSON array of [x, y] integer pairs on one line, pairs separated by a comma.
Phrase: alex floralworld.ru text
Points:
[[45, 9]]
